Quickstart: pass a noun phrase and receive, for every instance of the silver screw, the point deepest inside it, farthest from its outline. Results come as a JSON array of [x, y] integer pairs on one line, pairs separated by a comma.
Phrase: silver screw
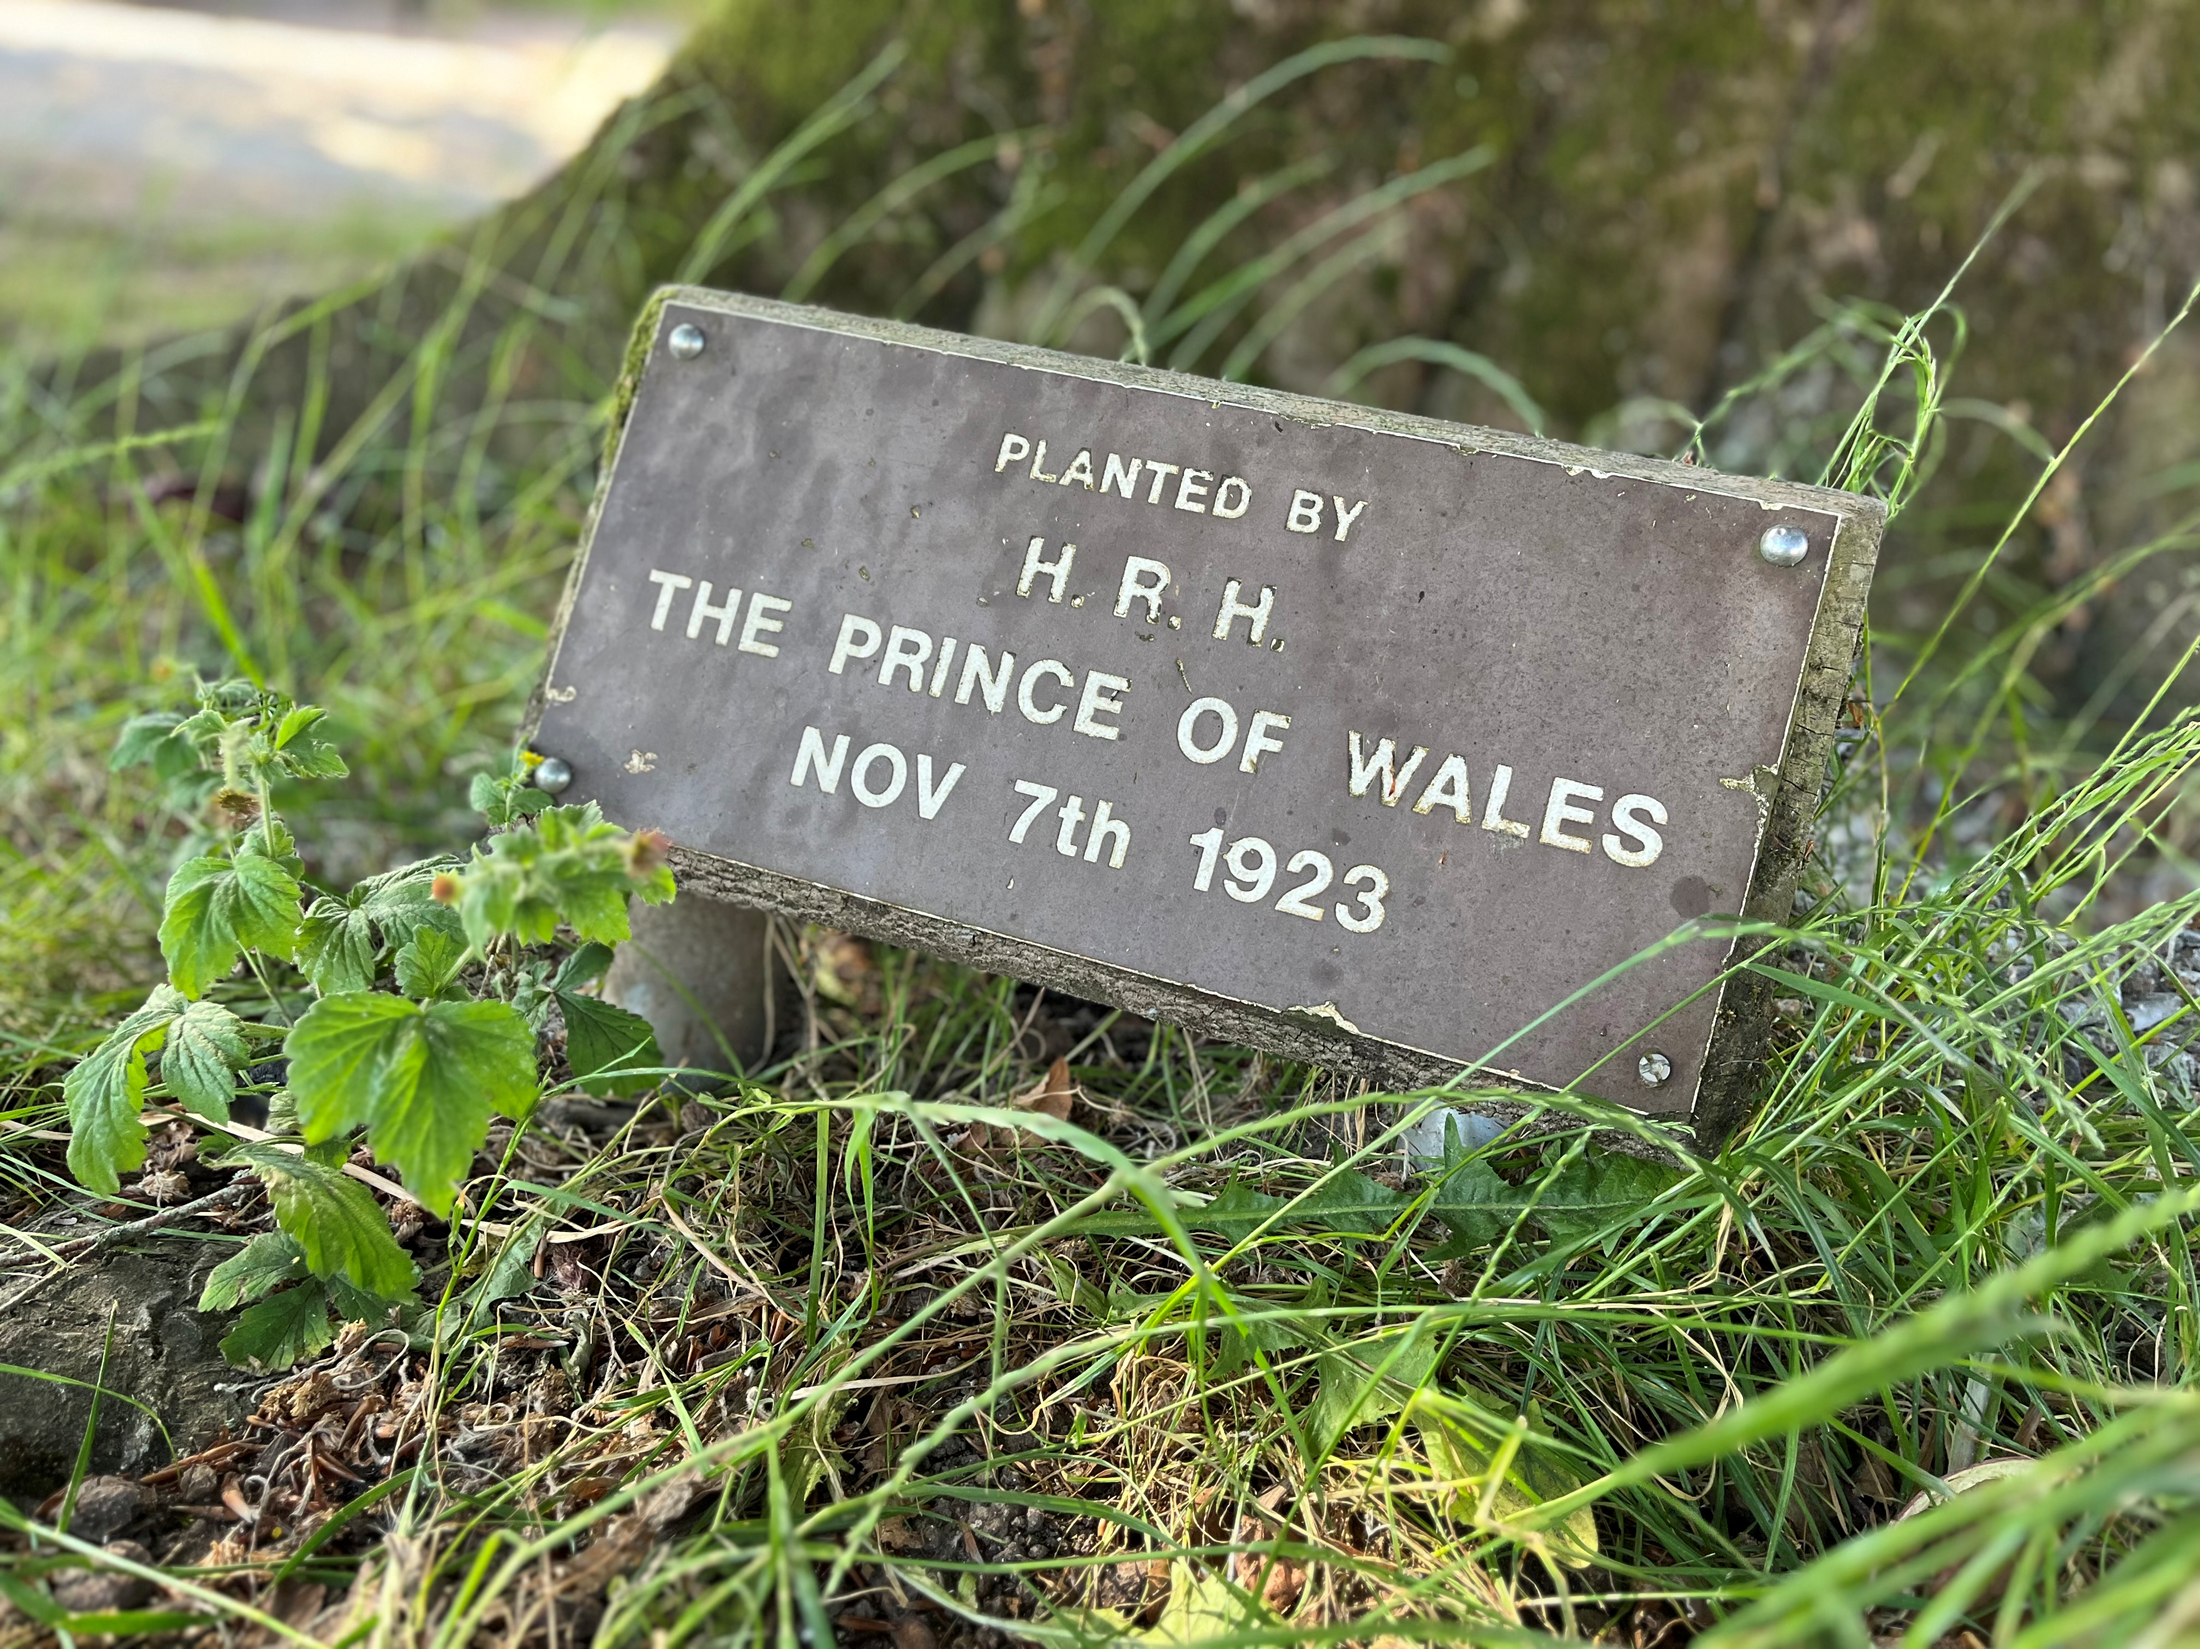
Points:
[[686, 342], [552, 775], [1783, 546], [1654, 1069]]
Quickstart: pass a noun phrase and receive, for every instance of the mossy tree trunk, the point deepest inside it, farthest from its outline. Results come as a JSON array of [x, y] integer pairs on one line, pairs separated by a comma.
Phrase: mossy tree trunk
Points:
[[1669, 196]]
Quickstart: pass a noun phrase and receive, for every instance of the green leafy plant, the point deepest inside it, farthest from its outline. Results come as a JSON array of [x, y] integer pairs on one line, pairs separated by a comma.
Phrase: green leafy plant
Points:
[[428, 994]]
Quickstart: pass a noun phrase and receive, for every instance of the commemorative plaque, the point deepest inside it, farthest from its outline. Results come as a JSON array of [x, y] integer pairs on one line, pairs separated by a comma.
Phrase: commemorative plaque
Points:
[[1398, 746]]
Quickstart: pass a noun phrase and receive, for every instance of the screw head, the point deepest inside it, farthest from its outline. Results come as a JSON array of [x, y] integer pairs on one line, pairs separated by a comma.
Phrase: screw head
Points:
[[1783, 546], [1654, 1069], [685, 341], [552, 775]]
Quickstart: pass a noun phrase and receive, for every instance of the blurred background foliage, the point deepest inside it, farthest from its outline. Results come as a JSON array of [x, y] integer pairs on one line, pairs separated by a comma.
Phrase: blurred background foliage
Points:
[[1629, 208]]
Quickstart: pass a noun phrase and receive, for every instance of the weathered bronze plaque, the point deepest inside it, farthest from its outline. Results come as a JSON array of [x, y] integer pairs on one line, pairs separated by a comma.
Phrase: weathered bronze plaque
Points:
[[1363, 738]]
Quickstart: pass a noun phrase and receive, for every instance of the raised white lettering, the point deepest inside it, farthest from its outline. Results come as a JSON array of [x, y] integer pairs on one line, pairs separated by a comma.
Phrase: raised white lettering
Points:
[[930, 800], [859, 780], [1257, 739], [989, 679], [1105, 826], [1056, 570], [810, 756], [909, 650], [725, 614], [1072, 815], [666, 584], [1014, 450], [939, 670], [1560, 810], [1040, 795], [1143, 580], [1367, 768], [1306, 511], [1493, 809], [859, 639], [1232, 609], [1044, 667], [1627, 816], [761, 608], [1187, 724], [1103, 696], [1450, 787]]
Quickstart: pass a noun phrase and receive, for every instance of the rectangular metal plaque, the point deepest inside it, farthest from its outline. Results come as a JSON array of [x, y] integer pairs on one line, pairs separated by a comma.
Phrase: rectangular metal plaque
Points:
[[1360, 737]]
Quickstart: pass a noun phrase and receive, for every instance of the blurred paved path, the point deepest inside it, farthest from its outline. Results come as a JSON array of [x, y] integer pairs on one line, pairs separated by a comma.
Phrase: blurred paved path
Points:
[[315, 118], [264, 114]]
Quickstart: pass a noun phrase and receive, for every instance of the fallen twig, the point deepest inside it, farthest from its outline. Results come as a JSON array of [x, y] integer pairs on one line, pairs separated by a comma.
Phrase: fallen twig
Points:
[[234, 1192]]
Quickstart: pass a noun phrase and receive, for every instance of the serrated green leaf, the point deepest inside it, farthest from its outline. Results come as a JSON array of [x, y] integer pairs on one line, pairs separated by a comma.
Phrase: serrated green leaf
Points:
[[271, 839], [216, 906], [587, 964], [105, 1091], [338, 1227], [340, 938], [421, 1078], [601, 1036], [296, 721], [332, 1152], [204, 1051], [566, 865], [177, 766], [267, 1261], [532, 994], [312, 758], [427, 965], [204, 731], [359, 1305], [142, 739], [512, 1273], [282, 1328], [336, 945], [402, 901]]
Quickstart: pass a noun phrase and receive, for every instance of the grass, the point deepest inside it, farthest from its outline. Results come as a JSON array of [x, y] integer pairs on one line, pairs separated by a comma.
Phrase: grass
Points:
[[68, 275], [983, 1315]]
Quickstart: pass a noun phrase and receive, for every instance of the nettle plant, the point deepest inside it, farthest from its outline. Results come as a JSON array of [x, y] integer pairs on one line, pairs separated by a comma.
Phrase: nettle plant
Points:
[[405, 1012]]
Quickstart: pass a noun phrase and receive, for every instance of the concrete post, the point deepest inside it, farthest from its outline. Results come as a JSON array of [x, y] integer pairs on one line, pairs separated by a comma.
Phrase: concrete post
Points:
[[704, 974]]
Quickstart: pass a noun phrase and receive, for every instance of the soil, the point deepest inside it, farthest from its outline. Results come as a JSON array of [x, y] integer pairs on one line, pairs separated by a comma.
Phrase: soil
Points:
[[165, 1354]]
